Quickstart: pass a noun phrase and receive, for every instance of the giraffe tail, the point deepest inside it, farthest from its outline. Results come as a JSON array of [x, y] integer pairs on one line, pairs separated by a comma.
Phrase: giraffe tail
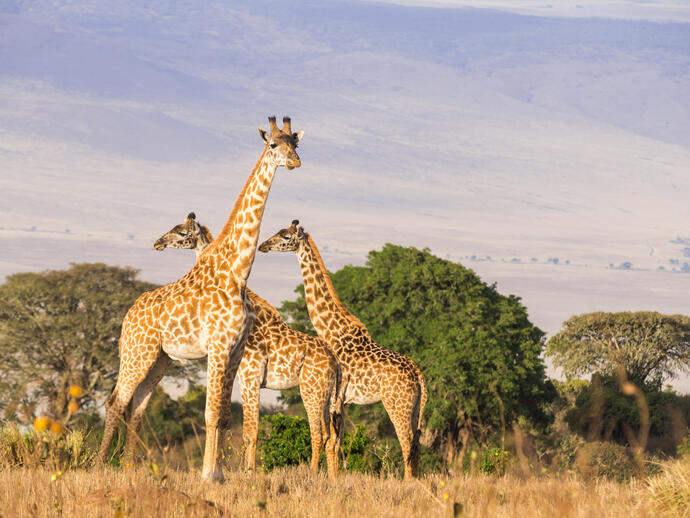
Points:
[[417, 419]]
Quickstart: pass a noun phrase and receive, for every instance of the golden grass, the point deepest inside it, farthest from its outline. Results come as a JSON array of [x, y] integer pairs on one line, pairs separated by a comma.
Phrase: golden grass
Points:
[[297, 492]]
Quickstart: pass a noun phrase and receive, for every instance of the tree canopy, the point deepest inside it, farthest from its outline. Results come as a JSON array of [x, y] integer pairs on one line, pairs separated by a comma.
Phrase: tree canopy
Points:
[[478, 350], [60, 328], [649, 346]]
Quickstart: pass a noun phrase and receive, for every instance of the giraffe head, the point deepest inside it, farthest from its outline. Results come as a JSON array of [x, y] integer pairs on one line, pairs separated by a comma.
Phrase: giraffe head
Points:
[[189, 234], [286, 240], [281, 143]]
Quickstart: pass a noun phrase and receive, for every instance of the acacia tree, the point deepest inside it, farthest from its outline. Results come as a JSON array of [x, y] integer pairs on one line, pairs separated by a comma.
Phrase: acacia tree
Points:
[[649, 346], [479, 352], [60, 328]]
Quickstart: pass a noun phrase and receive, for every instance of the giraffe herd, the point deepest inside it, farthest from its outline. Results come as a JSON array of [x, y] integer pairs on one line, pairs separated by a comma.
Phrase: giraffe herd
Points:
[[211, 313]]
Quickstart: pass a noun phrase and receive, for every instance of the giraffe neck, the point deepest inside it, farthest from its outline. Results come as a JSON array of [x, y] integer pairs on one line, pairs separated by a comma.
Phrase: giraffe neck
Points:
[[235, 246], [327, 313], [202, 241]]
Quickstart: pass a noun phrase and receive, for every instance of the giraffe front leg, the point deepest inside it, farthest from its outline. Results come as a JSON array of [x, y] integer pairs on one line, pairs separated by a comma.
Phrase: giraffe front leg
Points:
[[228, 381], [218, 358]]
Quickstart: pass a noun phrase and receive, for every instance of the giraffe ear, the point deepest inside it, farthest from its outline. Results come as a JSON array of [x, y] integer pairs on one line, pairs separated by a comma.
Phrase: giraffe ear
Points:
[[300, 232], [298, 136], [264, 134]]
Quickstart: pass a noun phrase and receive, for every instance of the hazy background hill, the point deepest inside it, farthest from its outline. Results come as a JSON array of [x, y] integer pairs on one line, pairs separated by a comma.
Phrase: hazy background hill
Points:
[[550, 154]]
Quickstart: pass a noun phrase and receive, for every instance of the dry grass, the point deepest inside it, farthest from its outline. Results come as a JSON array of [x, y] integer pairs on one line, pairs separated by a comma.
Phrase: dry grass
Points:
[[298, 492]]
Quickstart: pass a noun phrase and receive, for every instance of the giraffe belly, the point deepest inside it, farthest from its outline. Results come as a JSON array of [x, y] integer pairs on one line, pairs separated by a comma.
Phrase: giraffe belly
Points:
[[360, 395], [186, 349], [277, 380]]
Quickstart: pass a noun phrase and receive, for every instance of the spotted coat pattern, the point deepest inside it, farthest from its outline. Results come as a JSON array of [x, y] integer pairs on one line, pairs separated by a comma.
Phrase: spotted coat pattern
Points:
[[370, 373], [205, 313], [276, 357]]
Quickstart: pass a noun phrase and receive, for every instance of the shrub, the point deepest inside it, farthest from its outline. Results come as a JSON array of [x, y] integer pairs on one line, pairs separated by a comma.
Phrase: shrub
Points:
[[358, 452], [284, 441], [493, 461], [72, 450], [606, 459], [602, 411]]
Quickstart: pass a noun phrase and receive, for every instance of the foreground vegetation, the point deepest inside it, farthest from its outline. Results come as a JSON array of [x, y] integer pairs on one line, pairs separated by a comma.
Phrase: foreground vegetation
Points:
[[298, 492]]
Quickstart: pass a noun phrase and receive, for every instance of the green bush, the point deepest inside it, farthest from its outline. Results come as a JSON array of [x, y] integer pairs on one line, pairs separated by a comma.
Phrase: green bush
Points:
[[284, 441], [493, 461], [606, 459], [358, 452], [601, 410], [683, 449]]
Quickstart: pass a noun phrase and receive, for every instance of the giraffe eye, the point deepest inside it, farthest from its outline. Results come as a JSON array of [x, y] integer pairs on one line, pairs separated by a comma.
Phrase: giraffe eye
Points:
[[273, 145], [182, 234]]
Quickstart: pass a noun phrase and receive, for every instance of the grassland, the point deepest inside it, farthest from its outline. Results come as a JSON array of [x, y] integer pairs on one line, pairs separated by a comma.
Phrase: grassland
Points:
[[292, 492]]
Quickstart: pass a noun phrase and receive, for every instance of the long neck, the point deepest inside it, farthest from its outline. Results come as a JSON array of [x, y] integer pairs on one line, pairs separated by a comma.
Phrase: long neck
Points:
[[327, 313], [235, 246]]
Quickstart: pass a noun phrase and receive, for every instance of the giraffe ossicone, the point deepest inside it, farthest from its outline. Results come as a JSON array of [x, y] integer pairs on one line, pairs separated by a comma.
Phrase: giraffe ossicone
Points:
[[205, 313], [370, 373]]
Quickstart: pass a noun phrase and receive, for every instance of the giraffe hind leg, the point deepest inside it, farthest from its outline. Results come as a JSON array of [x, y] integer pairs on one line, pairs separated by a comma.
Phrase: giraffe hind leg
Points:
[[137, 405], [128, 379], [400, 410]]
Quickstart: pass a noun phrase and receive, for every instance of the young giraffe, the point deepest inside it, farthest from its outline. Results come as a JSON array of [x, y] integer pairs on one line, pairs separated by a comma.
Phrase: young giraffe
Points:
[[205, 313], [370, 373], [275, 357]]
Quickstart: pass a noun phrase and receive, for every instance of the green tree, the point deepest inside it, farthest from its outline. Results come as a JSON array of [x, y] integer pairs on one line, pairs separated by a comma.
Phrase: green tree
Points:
[[479, 352], [60, 328], [648, 346]]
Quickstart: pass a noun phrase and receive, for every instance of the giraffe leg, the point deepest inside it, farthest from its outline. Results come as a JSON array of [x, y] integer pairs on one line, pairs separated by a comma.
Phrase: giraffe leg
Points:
[[335, 423], [315, 401], [220, 350], [226, 402], [131, 374], [251, 384], [399, 406], [140, 400]]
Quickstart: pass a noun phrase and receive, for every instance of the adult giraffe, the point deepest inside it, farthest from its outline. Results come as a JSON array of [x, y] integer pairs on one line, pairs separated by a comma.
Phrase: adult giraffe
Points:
[[275, 357], [370, 373], [205, 313]]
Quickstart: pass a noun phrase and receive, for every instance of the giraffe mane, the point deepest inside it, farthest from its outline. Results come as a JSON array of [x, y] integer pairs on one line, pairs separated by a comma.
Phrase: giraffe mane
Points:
[[206, 233], [230, 223], [329, 284]]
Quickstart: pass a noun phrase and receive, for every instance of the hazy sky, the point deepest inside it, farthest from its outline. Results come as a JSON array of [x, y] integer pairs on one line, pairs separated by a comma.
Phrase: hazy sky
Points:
[[547, 148]]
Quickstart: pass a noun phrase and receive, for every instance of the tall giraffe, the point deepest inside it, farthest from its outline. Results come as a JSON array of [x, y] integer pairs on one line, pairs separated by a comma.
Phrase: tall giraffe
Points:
[[205, 313], [370, 373], [275, 357]]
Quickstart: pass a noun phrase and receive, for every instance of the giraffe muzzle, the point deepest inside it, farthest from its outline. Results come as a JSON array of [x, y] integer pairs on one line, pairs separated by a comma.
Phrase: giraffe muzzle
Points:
[[159, 245], [293, 163]]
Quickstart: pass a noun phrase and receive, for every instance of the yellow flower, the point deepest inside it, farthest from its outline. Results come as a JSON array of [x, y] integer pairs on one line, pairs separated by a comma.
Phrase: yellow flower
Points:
[[446, 496], [76, 391], [53, 477], [73, 406], [57, 428], [41, 423]]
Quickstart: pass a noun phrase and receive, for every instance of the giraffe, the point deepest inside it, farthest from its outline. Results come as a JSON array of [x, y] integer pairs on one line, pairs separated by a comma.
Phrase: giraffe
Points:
[[276, 357], [205, 313], [370, 373]]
